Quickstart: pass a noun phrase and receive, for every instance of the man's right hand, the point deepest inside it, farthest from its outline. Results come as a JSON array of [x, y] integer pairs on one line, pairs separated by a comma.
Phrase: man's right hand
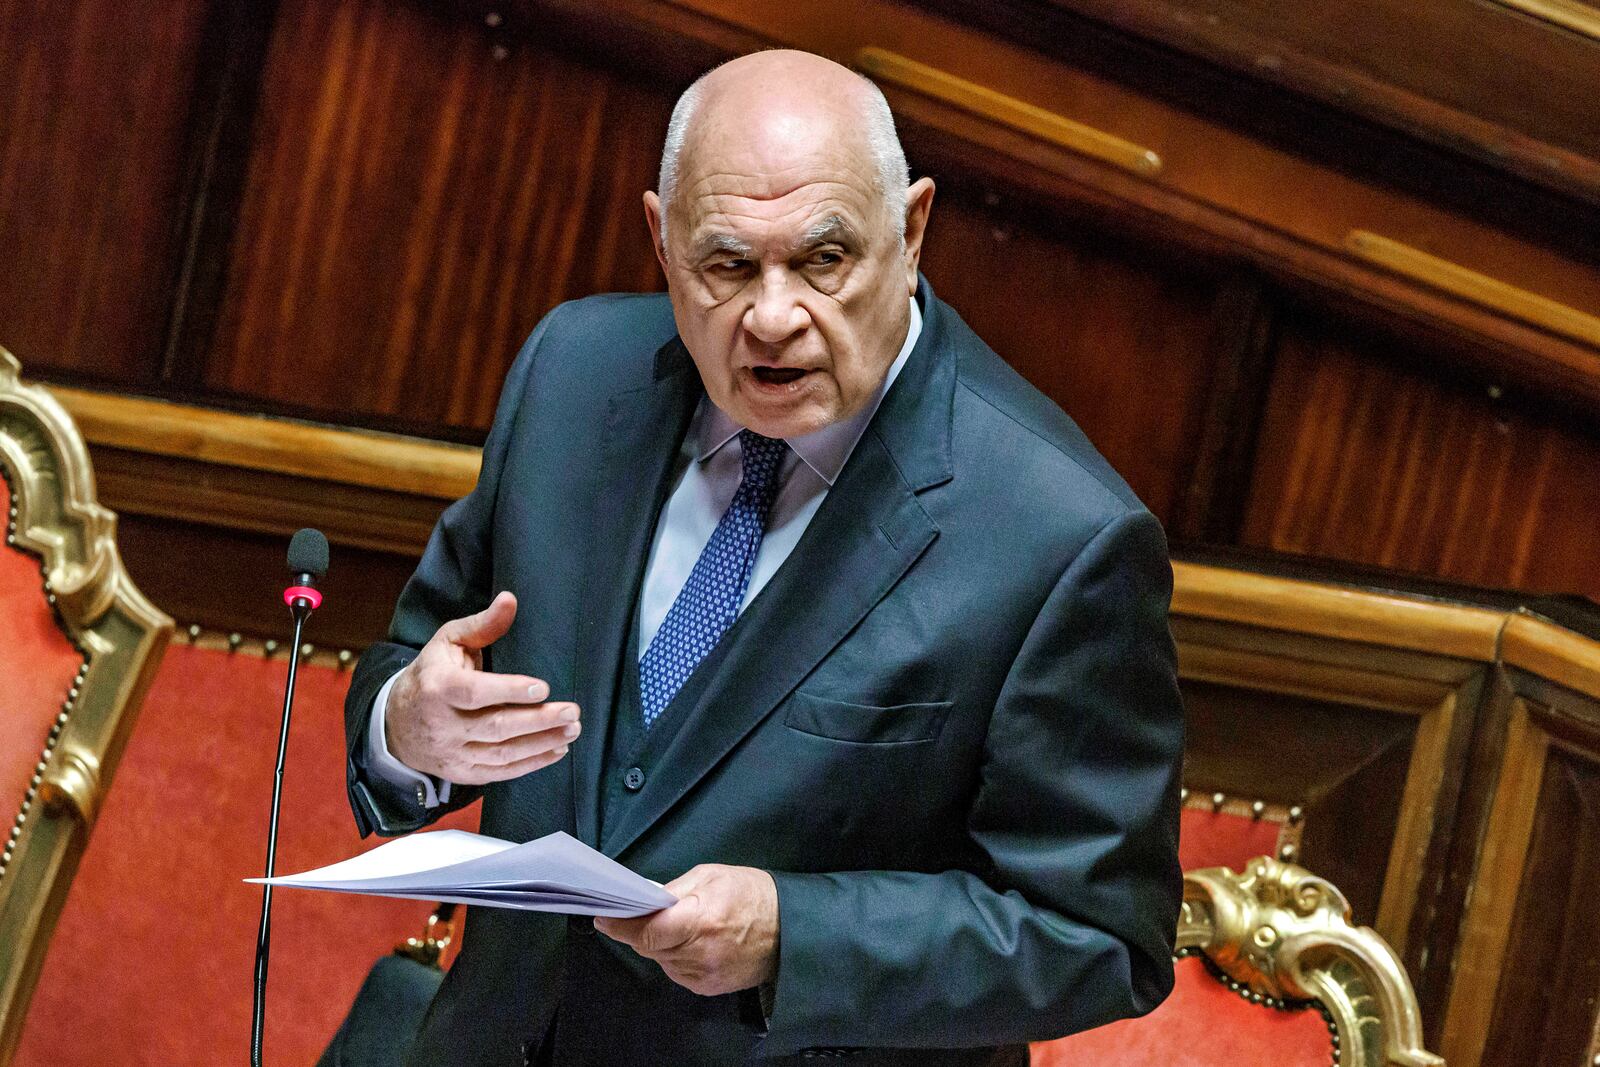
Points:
[[450, 718]]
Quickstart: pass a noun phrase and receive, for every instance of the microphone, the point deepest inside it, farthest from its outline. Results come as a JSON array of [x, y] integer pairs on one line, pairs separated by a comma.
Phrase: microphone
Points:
[[308, 562]]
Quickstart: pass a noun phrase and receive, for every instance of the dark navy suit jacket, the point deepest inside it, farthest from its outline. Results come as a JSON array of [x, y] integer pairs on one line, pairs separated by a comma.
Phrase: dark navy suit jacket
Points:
[[949, 725]]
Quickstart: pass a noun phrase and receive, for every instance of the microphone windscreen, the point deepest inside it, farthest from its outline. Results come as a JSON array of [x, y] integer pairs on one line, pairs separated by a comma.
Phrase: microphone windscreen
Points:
[[308, 553]]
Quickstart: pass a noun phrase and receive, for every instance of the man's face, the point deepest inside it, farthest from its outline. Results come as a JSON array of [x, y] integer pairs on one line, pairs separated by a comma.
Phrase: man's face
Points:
[[788, 281]]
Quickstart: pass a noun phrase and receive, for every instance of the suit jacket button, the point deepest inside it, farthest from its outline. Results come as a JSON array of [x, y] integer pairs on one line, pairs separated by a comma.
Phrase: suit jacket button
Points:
[[633, 778]]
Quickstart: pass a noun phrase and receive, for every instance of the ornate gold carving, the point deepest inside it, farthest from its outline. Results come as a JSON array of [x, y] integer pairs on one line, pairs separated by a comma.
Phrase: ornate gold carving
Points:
[[1281, 933], [997, 107], [121, 635], [437, 934], [73, 784]]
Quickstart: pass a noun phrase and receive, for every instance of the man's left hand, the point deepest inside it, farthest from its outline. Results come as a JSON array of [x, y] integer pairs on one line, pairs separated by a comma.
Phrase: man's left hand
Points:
[[721, 936]]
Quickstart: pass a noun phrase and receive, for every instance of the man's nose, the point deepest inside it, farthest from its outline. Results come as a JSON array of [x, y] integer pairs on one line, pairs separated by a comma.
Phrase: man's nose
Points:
[[776, 314]]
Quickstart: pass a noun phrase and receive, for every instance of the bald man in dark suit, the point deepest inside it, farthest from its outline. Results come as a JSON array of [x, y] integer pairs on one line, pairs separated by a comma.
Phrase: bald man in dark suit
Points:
[[785, 590]]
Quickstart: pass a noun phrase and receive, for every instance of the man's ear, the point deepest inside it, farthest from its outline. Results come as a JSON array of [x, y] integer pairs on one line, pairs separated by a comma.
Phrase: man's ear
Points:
[[919, 204], [652, 219]]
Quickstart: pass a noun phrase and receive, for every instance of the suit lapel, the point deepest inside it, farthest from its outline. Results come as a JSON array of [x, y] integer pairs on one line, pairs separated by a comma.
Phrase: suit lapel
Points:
[[869, 530], [644, 428]]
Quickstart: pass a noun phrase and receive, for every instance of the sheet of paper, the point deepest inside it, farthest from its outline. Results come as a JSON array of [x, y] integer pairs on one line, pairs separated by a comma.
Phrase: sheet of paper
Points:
[[556, 873]]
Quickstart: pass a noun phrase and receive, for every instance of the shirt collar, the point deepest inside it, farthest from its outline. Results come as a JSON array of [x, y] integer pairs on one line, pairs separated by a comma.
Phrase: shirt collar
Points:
[[824, 451]]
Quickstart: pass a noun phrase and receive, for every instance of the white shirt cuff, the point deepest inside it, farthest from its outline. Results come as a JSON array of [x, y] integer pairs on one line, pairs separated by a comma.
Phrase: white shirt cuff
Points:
[[381, 762]]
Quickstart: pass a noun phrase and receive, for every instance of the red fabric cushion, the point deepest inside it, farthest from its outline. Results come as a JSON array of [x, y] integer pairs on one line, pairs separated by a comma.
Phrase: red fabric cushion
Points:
[[1202, 1024], [38, 664], [151, 964], [1220, 839]]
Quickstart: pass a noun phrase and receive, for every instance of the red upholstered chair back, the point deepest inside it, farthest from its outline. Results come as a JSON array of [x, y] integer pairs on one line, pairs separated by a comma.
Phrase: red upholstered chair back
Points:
[[160, 924], [78, 649], [1271, 974]]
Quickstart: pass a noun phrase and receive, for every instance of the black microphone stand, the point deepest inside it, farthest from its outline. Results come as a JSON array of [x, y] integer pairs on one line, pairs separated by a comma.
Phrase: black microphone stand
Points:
[[300, 607]]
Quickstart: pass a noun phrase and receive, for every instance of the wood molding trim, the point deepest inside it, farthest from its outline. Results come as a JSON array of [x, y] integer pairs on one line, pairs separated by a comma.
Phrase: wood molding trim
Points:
[[1471, 285], [1495, 888], [1568, 14], [1549, 651], [1333, 611], [366, 458], [980, 100]]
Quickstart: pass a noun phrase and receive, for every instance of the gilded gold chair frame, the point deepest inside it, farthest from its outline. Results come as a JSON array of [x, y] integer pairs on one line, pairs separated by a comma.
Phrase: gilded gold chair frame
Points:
[[1279, 933], [121, 635]]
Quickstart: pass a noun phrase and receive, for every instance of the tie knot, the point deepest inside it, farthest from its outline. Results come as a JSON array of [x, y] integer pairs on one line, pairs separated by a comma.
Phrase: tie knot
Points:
[[762, 456]]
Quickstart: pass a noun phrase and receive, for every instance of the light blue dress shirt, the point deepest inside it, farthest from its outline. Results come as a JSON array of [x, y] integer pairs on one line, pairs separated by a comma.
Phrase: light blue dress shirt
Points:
[[710, 466]]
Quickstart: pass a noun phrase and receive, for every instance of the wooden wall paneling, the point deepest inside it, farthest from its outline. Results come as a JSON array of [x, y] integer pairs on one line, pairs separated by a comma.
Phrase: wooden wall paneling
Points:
[[1369, 742], [1367, 455], [1211, 508], [1357, 707], [422, 190], [1323, 112], [1215, 180], [1118, 335], [208, 501], [96, 99], [220, 128], [233, 580], [1526, 986], [1482, 79]]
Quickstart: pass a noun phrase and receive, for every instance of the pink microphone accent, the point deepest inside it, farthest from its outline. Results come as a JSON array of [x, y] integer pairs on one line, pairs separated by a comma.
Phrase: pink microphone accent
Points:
[[295, 592]]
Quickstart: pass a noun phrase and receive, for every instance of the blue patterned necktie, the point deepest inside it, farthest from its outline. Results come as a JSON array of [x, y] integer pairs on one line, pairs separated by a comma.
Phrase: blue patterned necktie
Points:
[[709, 601]]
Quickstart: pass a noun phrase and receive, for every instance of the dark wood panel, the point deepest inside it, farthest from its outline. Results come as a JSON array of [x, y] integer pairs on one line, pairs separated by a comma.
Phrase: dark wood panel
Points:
[[95, 99], [1547, 1004], [1368, 456], [1117, 334], [1344, 766], [420, 193], [1483, 78], [233, 580], [1525, 986]]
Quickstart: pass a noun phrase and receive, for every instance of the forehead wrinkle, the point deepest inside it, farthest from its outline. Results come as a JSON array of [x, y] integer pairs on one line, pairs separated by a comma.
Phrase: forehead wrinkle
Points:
[[767, 188]]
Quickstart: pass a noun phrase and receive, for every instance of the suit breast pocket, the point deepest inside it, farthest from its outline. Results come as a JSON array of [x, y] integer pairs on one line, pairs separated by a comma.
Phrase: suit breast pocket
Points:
[[865, 724]]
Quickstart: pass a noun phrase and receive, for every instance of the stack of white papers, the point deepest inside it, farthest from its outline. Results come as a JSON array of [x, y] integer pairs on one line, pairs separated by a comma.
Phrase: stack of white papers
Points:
[[555, 873]]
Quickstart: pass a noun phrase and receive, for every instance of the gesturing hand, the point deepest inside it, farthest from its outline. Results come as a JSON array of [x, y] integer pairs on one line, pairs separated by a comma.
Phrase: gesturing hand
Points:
[[450, 718], [721, 936]]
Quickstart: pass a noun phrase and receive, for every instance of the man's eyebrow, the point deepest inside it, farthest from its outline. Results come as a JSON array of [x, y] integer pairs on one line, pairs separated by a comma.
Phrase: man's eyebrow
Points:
[[831, 229], [720, 242]]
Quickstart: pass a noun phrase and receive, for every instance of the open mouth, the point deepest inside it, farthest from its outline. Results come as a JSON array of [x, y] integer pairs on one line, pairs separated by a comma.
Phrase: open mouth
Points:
[[777, 375]]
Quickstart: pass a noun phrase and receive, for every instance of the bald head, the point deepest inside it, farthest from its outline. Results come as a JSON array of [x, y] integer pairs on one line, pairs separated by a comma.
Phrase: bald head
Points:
[[767, 111], [795, 239]]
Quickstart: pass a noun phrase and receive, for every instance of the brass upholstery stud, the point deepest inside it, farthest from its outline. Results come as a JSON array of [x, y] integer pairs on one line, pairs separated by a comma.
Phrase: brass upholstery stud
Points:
[[1217, 800]]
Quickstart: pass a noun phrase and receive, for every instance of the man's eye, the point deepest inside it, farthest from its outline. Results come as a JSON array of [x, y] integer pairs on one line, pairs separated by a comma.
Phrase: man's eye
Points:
[[730, 266], [826, 259]]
